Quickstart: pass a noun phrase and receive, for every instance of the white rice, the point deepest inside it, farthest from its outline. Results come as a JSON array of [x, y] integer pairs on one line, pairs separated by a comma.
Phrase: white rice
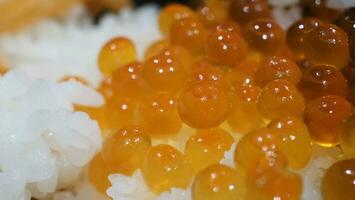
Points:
[[44, 145], [286, 17], [82, 191], [228, 159]]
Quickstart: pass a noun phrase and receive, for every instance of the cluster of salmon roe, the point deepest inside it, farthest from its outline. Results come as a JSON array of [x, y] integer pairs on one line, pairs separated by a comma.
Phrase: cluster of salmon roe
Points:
[[223, 72], [122, 152]]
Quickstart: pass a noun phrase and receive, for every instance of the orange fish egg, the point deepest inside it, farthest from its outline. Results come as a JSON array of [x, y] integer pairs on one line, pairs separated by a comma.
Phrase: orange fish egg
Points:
[[228, 25], [213, 12], [296, 142], [171, 13], [347, 137], [324, 117], [270, 182], [125, 149], [275, 67], [327, 44], [297, 33], [225, 48], [322, 80], [176, 51], [265, 36], [164, 72], [339, 181], [120, 111], [189, 33], [202, 70], [207, 147], [204, 105], [155, 48], [244, 73], [127, 81], [159, 114], [259, 144], [218, 182], [165, 167], [245, 11], [98, 172], [181, 54], [244, 115], [347, 22], [116, 53], [280, 98]]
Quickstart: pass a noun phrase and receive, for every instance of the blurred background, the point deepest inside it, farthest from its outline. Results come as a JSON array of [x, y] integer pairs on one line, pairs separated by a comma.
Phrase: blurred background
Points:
[[16, 14]]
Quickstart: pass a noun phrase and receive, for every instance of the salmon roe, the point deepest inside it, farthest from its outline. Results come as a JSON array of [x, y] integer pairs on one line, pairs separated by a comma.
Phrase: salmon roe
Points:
[[159, 114], [116, 53], [280, 98], [320, 9], [225, 48], [119, 111], [294, 134], [165, 167], [265, 36], [98, 172], [327, 44], [347, 139], [171, 13], [259, 154], [347, 22], [339, 181], [245, 11], [256, 145], [179, 53], [3, 70], [213, 12], [228, 25], [273, 68], [155, 48], [189, 33], [297, 33], [125, 149], [127, 81], [202, 70], [349, 74], [224, 79], [244, 73], [207, 147], [322, 80], [324, 117], [244, 115], [164, 72], [266, 181], [164, 47], [204, 105], [218, 182]]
